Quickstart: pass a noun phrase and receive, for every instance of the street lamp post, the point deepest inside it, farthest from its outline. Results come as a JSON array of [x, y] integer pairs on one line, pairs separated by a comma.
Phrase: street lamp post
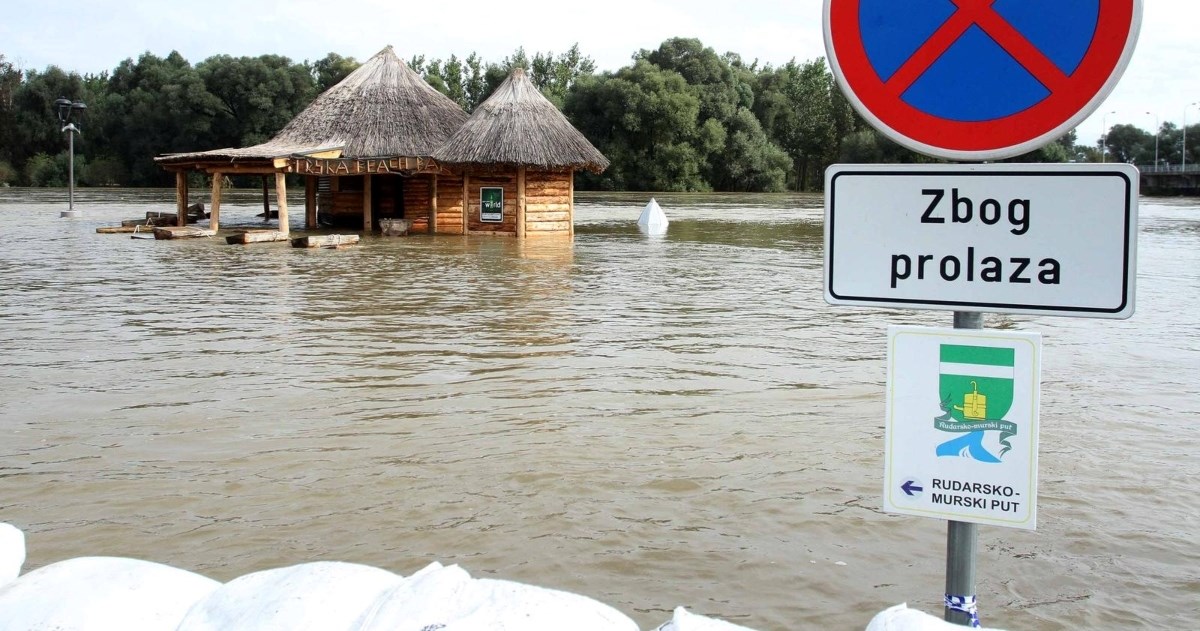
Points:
[[67, 108], [1183, 162], [1104, 141], [1157, 127]]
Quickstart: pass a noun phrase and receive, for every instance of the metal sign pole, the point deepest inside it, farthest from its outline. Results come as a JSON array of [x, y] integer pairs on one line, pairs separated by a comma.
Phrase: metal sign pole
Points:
[[961, 537], [71, 170]]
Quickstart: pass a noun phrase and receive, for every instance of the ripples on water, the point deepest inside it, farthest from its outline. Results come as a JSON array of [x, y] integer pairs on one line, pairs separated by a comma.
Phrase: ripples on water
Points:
[[647, 421]]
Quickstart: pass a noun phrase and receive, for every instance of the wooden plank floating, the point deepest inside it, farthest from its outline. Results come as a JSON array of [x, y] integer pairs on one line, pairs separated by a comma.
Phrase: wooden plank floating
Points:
[[182, 232], [117, 229], [256, 236], [326, 241]]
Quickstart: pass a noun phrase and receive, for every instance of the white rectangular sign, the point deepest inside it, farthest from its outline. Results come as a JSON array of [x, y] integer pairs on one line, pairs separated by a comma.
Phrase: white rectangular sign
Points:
[[962, 425], [1048, 239]]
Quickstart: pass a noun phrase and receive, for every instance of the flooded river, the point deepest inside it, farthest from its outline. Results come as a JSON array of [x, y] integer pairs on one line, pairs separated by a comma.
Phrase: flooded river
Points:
[[649, 422]]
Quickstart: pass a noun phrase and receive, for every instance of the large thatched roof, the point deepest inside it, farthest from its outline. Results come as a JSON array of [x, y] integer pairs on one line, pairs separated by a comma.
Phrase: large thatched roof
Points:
[[518, 126], [382, 109]]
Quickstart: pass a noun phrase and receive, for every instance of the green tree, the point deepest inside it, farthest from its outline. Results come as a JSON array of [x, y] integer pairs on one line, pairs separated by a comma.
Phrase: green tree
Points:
[[645, 120], [257, 95], [1127, 143], [804, 112], [554, 75], [330, 70], [154, 106]]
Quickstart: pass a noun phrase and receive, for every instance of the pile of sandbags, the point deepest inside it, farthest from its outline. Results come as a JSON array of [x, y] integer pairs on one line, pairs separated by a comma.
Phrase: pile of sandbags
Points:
[[118, 594]]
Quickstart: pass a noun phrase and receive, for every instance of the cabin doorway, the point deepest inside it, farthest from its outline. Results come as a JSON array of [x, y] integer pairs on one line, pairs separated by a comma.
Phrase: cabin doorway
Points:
[[387, 195]]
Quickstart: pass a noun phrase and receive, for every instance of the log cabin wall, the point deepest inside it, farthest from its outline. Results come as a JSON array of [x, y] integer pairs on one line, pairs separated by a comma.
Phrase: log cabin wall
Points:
[[346, 200], [548, 204], [450, 204], [506, 179], [416, 202]]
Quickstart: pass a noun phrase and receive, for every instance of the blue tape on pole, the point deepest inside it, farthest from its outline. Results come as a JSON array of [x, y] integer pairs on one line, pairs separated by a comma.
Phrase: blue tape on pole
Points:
[[965, 604]]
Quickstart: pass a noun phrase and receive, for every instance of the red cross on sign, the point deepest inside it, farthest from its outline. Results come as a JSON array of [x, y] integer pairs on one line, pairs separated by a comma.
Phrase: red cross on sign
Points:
[[979, 79]]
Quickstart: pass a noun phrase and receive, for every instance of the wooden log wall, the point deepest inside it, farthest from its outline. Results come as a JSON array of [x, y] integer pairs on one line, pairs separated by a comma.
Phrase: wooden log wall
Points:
[[502, 179], [449, 204], [346, 206], [417, 193], [548, 203]]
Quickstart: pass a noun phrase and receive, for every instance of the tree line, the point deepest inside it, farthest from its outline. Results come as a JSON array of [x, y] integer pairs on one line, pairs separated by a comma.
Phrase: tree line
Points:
[[677, 118]]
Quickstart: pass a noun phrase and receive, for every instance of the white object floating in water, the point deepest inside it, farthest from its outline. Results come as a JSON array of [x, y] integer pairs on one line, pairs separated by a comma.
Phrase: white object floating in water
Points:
[[653, 219], [101, 594], [12, 552]]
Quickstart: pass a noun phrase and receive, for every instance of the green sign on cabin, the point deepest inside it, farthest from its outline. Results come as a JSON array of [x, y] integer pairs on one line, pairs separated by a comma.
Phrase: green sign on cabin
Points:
[[491, 204]]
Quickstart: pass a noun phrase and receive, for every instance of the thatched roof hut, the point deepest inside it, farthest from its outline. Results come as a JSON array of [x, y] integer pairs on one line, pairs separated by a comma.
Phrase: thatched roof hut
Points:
[[517, 126], [382, 109], [385, 145]]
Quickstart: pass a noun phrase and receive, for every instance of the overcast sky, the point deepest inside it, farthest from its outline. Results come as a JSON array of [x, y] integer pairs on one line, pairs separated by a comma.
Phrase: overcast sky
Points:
[[96, 35]]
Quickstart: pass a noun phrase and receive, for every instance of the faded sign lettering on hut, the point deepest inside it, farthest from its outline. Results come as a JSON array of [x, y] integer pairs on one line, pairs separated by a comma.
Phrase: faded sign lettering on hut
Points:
[[317, 166]]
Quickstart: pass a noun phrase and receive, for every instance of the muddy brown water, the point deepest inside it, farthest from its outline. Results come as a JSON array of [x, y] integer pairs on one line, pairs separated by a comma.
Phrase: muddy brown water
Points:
[[650, 422]]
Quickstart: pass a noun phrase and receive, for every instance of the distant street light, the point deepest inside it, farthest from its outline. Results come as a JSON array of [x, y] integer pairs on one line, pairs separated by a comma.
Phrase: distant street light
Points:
[[66, 108], [1104, 141], [1183, 162], [1157, 126]]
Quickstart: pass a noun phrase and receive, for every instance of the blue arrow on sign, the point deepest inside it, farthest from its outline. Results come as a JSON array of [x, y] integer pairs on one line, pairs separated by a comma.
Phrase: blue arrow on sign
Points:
[[911, 487]]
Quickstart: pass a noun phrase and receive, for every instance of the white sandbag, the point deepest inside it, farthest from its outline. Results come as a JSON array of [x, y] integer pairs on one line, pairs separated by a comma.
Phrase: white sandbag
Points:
[[901, 618], [101, 594], [12, 552], [448, 599], [684, 621], [653, 220], [424, 600], [508, 606], [322, 596]]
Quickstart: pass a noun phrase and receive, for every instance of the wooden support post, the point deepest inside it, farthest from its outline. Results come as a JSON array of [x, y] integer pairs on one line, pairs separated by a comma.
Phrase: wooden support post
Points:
[[266, 201], [368, 221], [521, 202], [214, 216], [433, 204], [310, 202], [466, 202], [571, 202], [181, 197], [281, 200]]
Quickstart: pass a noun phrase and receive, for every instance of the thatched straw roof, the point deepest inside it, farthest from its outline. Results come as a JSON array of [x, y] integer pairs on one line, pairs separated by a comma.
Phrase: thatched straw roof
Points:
[[382, 109], [518, 126]]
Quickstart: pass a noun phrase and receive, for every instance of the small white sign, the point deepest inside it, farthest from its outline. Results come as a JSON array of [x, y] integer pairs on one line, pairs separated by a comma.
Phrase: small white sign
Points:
[[962, 425], [1044, 239]]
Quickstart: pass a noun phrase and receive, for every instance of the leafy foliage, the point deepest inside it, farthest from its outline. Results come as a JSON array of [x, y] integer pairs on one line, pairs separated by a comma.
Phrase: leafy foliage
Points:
[[679, 117]]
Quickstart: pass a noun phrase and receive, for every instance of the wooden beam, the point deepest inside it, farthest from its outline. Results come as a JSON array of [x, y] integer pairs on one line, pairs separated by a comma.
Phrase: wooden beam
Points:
[[466, 202], [368, 221], [571, 191], [310, 202], [181, 196], [325, 241], [238, 169], [266, 201], [256, 236], [281, 201], [521, 202], [433, 185], [214, 211]]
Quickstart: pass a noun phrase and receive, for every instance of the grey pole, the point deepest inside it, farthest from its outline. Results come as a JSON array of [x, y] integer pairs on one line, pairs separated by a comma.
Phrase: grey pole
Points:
[[71, 171], [961, 537]]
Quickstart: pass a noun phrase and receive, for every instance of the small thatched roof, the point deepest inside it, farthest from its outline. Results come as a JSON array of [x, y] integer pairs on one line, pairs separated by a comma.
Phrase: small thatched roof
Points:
[[518, 126], [382, 109]]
